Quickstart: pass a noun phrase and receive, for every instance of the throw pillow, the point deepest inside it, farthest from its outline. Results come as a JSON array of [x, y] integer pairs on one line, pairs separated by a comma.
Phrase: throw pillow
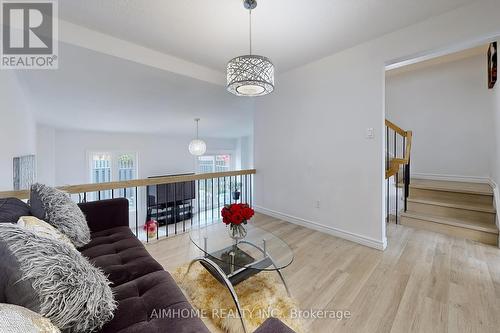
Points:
[[51, 278], [42, 228], [16, 319], [11, 209], [57, 208]]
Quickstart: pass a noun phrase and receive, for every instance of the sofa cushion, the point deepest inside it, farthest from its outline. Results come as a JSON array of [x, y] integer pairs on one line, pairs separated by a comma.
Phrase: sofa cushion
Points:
[[55, 280], [57, 208], [153, 303], [120, 255], [13, 289], [42, 228], [11, 209], [273, 325], [16, 319]]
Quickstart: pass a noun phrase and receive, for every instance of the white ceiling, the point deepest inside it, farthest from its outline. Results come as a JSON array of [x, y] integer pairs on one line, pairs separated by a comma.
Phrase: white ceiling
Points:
[[93, 91], [290, 32]]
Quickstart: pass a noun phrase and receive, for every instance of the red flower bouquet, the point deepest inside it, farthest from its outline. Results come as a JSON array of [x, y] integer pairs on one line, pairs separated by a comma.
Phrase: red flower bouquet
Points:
[[236, 216]]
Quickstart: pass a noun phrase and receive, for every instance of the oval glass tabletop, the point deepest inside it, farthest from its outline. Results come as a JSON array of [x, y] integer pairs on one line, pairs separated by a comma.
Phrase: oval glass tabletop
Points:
[[259, 250]]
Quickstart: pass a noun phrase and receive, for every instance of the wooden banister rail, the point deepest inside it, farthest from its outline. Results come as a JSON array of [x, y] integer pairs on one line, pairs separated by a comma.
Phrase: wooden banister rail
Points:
[[396, 163], [395, 127], [87, 188]]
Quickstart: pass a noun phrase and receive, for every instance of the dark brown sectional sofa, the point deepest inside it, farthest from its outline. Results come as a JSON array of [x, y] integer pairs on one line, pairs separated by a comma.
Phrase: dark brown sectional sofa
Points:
[[140, 284]]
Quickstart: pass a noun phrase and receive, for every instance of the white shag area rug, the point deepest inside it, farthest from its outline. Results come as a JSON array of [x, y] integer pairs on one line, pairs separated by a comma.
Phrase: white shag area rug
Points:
[[260, 297]]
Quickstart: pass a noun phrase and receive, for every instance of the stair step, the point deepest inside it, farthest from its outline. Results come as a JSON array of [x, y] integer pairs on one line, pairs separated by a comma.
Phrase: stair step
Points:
[[474, 206], [420, 193], [457, 204], [451, 186], [473, 225], [452, 210], [484, 233]]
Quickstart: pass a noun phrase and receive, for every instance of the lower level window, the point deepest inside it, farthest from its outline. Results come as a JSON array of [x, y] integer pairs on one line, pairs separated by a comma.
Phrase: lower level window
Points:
[[111, 166], [211, 189], [214, 163]]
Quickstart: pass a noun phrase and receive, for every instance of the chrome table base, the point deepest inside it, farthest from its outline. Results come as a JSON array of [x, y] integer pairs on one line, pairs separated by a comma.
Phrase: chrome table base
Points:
[[225, 279]]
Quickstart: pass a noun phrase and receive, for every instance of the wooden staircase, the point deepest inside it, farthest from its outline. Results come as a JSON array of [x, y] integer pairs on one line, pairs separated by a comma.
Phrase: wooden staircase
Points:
[[454, 208]]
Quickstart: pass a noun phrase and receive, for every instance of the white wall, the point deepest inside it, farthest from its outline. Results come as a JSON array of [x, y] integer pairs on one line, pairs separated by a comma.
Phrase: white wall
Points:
[[245, 153], [450, 110], [17, 127], [157, 154], [45, 147], [310, 134]]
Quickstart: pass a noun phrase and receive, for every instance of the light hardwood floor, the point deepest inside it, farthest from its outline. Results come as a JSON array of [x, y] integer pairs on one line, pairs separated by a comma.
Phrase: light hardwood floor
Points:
[[423, 282]]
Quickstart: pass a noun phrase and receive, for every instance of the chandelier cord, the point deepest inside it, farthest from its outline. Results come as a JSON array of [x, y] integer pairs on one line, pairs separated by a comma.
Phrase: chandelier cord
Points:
[[197, 121], [250, 32]]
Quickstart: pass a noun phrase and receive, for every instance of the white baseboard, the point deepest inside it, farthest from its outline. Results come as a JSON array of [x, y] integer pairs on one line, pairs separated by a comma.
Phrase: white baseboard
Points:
[[359, 239], [455, 178]]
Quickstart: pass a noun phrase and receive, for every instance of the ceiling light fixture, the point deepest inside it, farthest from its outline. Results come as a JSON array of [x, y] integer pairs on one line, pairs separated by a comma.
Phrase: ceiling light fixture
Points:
[[197, 147], [250, 75]]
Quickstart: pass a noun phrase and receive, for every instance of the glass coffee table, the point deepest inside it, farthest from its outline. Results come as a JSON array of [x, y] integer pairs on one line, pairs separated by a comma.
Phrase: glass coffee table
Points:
[[232, 262]]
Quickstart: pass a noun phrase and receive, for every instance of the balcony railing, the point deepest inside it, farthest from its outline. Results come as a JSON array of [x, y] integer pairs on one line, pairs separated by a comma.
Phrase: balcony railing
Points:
[[177, 202]]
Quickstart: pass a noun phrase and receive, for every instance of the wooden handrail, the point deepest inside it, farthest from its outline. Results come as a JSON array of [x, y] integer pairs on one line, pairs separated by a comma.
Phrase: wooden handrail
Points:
[[397, 162], [84, 188], [395, 127]]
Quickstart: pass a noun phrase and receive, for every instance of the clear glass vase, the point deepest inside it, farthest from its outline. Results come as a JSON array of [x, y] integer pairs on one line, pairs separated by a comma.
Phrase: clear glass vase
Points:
[[237, 232]]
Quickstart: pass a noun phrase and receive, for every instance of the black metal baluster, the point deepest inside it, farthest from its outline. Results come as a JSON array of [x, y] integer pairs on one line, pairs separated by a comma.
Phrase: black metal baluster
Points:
[[242, 194], [166, 207], [218, 197], [404, 171], [84, 196], [251, 195], [183, 207], [206, 199], [136, 213], [212, 199], [191, 192], [246, 188], [199, 203], [175, 208], [230, 190], [235, 188], [243, 189], [157, 213], [112, 193], [396, 176], [407, 182], [225, 190], [99, 195]]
